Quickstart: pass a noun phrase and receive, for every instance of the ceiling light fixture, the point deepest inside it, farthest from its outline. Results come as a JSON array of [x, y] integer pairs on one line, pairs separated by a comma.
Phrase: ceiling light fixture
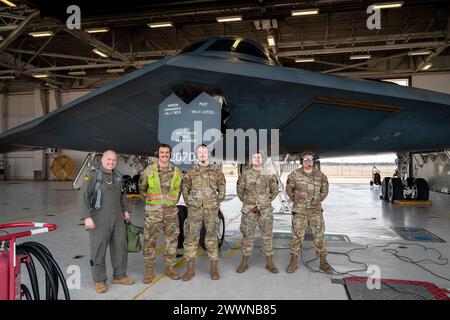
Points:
[[40, 34], [307, 12], [306, 59], [77, 73], [427, 66], [40, 75], [388, 5], [115, 70], [419, 53], [360, 56], [9, 3], [160, 24], [100, 53], [97, 30], [229, 19]]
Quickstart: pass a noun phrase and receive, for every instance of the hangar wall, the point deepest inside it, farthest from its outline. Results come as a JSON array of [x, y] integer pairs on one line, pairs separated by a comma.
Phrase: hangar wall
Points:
[[435, 168], [18, 108]]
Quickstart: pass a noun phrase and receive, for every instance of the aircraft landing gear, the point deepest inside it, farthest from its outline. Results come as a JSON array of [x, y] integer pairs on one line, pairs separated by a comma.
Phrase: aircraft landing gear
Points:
[[409, 188]]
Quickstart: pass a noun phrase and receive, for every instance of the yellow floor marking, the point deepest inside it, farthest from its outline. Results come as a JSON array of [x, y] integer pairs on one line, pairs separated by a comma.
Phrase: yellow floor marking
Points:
[[178, 265], [413, 202], [182, 262]]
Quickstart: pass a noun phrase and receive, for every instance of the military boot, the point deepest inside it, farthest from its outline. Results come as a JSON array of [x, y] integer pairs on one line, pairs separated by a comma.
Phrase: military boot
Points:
[[125, 281], [190, 273], [292, 264], [171, 273], [324, 266], [149, 275], [270, 266], [244, 264], [214, 271], [100, 287]]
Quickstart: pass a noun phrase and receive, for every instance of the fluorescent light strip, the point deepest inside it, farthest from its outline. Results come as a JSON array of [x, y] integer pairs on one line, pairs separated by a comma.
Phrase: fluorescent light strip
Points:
[[40, 34], [360, 56], [161, 24], [229, 19], [9, 3], [77, 73], [300, 60], [7, 77], [100, 53], [40, 76], [116, 70], [388, 5], [427, 66], [419, 53], [97, 30], [307, 12]]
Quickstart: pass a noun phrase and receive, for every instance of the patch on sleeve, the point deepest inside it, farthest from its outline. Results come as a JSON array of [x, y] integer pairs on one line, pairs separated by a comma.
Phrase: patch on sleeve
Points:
[[87, 177]]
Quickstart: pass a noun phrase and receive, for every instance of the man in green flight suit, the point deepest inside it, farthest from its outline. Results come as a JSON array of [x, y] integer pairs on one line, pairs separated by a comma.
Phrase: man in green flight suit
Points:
[[104, 209]]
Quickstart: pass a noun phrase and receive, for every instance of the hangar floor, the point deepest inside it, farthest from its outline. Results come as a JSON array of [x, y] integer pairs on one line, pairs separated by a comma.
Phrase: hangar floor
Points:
[[353, 210]]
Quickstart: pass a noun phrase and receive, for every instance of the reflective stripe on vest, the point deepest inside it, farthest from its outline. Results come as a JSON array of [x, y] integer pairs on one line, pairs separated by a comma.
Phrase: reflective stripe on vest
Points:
[[154, 195]]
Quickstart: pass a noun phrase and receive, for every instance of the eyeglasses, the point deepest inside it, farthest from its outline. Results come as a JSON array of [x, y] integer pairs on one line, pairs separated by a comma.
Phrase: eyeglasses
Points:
[[308, 160]]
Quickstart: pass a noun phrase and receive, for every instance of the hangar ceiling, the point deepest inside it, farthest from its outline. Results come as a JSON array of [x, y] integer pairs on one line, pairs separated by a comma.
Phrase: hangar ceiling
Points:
[[65, 59]]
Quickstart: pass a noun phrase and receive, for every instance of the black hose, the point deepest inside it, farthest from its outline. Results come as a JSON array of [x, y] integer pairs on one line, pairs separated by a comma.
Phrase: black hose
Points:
[[53, 274], [26, 292], [58, 274]]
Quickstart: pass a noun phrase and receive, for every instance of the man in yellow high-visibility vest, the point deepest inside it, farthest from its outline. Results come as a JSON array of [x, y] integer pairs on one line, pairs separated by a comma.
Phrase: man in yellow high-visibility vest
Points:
[[161, 183]]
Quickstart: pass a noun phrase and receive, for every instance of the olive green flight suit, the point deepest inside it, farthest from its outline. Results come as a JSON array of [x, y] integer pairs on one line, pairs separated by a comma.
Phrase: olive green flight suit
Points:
[[110, 228]]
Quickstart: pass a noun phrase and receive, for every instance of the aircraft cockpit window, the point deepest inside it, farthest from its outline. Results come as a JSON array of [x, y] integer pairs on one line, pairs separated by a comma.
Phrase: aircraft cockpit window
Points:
[[232, 45], [221, 45], [248, 48], [193, 47]]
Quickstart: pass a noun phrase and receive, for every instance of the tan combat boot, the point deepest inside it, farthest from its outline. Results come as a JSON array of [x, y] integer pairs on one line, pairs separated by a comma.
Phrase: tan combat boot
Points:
[[244, 264], [324, 266], [214, 271], [171, 273], [149, 275], [100, 287], [292, 264], [190, 273], [125, 281], [270, 266]]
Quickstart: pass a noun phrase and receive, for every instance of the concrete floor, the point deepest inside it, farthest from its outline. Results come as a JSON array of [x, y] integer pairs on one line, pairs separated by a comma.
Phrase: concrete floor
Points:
[[351, 209]]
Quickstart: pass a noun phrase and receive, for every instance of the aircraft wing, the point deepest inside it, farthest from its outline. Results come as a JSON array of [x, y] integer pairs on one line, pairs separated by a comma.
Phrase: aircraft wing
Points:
[[329, 114]]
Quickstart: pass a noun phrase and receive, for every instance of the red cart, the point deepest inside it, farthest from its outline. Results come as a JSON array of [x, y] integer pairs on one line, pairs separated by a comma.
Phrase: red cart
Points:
[[10, 262]]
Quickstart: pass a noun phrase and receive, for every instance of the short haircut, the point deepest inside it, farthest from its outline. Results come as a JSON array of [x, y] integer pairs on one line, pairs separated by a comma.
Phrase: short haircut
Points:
[[109, 151], [165, 145], [201, 146]]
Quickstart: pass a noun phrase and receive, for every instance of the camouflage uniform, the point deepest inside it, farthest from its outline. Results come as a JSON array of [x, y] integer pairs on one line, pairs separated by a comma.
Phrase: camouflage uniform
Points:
[[257, 191], [160, 216], [307, 191], [203, 191]]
